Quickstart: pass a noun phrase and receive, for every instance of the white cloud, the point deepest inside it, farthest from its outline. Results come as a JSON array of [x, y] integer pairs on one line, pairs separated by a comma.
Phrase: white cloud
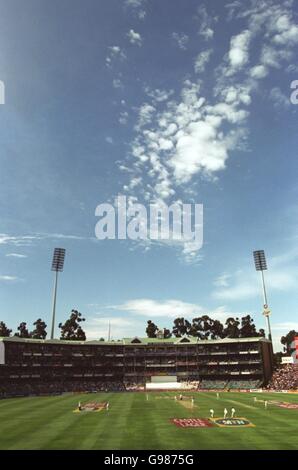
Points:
[[117, 83], [137, 7], [271, 57], [135, 3], [274, 22], [205, 23], [279, 99], [236, 95], [115, 54], [6, 278], [172, 308], [160, 312], [159, 95], [142, 14], [98, 327], [181, 138], [109, 139], [134, 37], [246, 285], [258, 71], [16, 255], [288, 37], [20, 240], [201, 60], [222, 280], [292, 68], [285, 326], [185, 138], [199, 149], [240, 291], [181, 40], [123, 118], [239, 51], [281, 277], [232, 8], [28, 240], [146, 112], [198, 145]]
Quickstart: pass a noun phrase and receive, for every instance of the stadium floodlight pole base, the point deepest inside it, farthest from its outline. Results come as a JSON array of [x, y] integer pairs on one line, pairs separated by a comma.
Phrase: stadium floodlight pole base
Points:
[[267, 313], [54, 305]]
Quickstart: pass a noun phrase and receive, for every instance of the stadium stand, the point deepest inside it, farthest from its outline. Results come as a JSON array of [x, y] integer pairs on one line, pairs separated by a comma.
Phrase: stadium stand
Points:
[[213, 384], [34, 367], [285, 377], [243, 384]]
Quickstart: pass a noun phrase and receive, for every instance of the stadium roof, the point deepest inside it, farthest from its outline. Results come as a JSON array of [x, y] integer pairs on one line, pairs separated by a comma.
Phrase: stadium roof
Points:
[[137, 341]]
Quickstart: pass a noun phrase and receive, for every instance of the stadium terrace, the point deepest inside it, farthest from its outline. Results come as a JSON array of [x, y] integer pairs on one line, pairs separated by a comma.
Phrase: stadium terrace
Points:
[[36, 367]]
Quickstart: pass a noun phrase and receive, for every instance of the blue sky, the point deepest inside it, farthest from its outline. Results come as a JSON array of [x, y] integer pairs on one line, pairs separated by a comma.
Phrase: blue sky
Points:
[[159, 101]]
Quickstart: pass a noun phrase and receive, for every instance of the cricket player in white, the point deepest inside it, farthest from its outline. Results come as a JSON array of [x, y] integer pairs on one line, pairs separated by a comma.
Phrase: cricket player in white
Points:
[[217, 395], [265, 404], [212, 413], [192, 402], [225, 413], [233, 411], [107, 406]]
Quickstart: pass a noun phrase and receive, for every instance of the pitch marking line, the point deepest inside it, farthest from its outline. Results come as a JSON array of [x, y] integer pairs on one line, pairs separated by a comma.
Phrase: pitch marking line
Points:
[[242, 404]]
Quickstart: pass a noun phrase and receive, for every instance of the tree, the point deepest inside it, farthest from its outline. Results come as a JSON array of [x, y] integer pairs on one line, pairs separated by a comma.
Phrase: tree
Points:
[[277, 358], [231, 329], [23, 331], [197, 328], [71, 329], [151, 329], [181, 327], [205, 327], [167, 333], [217, 331], [248, 328], [81, 336], [40, 330], [101, 339], [4, 331], [287, 340], [261, 332], [201, 327]]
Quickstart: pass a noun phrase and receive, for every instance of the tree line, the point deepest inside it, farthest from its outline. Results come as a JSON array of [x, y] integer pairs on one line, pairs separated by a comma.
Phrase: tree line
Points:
[[202, 327], [70, 330], [205, 327]]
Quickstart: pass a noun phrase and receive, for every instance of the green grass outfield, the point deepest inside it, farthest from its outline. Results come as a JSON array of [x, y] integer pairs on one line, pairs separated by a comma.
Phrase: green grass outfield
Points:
[[135, 423]]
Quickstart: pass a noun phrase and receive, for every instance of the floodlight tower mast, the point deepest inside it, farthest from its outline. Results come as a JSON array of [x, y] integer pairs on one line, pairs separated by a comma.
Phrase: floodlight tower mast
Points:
[[57, 266], [261, 265]]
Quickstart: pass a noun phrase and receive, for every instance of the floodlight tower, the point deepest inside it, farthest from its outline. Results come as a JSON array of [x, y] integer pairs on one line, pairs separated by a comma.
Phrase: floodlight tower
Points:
[[261, 265], [57, 266]]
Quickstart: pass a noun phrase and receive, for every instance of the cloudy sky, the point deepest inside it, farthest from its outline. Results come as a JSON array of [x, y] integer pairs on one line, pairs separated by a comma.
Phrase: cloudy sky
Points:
[[158, 100]]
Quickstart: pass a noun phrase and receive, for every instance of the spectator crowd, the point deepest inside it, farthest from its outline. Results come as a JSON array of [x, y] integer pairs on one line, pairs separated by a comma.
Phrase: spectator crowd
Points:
[[285, 377]]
